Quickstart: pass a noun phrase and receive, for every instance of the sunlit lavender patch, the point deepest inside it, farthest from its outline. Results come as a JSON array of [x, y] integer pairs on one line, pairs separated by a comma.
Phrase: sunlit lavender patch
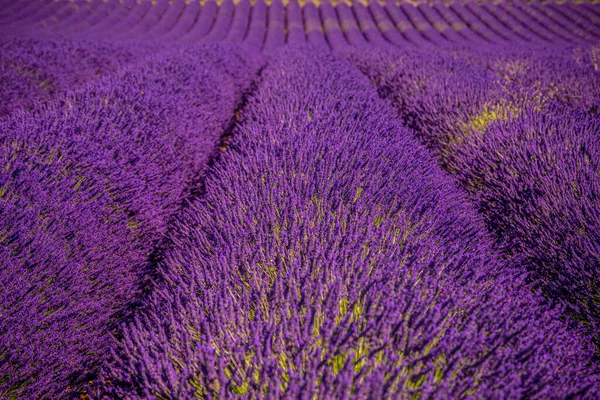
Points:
[[299, 199]]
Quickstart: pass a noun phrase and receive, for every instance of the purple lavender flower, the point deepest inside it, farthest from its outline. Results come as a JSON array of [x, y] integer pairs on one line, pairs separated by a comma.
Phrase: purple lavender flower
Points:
[[88, 186], [329, 256], [523, 149]]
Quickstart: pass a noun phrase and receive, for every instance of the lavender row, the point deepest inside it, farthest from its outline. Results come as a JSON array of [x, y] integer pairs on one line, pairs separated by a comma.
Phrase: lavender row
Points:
[[88, 186], [34, 70], [403, 24], [331, 257], [112, 20], [568, 77], [525, 147]]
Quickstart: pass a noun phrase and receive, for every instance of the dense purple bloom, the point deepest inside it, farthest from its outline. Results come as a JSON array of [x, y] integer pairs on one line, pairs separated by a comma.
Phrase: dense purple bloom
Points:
[[531, 165], [330, 256], [405, 206], [89, 184], [34, 69], [545, 75], [536, 179]]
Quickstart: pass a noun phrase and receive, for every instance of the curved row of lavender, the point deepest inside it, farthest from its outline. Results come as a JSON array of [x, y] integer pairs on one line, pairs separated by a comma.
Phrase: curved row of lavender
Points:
[[330, 257], [567, 76], [328, 253], [524, 146], [404, 24], [89, 183], [33, 70]]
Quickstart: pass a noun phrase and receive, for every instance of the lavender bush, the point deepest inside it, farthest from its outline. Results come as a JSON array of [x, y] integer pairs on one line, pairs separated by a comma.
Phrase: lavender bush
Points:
[[531, 165], [397, 200], [331, 257], [34, 69], [89, 184]]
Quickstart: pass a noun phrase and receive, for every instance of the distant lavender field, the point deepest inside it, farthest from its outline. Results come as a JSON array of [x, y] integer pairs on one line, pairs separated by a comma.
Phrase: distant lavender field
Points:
[[313, 200]]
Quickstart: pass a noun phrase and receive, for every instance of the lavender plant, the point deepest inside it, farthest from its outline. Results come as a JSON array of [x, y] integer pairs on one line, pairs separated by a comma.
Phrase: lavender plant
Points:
[[35, 69], [415, 227], [552, 229], [88, 186], [331, 257]]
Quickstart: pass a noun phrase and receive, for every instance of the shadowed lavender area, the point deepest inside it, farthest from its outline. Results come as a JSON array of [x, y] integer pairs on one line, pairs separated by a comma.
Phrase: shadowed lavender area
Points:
[[299, 199]]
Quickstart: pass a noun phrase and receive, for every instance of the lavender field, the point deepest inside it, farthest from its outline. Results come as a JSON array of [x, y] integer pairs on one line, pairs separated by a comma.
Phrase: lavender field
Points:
[[299, 199]]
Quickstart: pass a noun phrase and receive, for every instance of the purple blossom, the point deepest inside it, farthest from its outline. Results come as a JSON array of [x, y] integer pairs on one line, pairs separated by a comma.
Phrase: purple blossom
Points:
[[89, 184], [405, 206], [522, 147], [330, 256]]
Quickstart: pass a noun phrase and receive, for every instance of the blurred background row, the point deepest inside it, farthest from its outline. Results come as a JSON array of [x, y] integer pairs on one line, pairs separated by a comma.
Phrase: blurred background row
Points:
[[270, 24]]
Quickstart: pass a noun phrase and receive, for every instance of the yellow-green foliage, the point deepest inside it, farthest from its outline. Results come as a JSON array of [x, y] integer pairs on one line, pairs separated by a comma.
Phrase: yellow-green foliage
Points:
[[343, 310], [482, 120], [131, 224], [240, 390], [489, 114], [337, 363], [509, 69]]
